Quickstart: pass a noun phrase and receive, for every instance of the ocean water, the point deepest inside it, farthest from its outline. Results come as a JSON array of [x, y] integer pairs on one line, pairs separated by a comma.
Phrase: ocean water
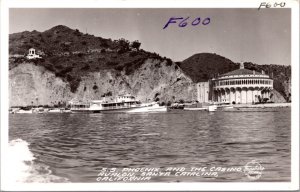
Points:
[[75, 147]]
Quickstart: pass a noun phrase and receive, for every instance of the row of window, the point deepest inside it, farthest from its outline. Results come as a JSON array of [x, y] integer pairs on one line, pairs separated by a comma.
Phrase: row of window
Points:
[[243, 82], [126, 97]]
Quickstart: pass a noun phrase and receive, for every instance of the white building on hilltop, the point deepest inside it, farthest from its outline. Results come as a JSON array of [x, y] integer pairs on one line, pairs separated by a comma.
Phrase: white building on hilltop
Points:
[[32, 55], [242, 86]]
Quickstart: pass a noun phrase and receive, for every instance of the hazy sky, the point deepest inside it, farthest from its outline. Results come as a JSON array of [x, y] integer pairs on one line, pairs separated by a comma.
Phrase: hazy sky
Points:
[[262, 37]]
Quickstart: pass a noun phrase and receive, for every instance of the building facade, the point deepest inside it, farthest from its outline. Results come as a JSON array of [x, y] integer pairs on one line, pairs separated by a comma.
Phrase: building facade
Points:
[[242, 86], [203, 92]]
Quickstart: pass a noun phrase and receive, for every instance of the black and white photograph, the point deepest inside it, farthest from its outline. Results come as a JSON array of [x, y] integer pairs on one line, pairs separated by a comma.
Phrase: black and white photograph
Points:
[[150, 95]]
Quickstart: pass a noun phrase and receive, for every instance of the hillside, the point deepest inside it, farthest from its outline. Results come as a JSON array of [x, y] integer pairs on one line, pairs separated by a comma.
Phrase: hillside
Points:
[[70, 54], [84, 67], [203, 66]]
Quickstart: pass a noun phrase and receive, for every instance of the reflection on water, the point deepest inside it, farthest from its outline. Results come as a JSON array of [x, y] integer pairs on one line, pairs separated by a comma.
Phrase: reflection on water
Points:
[[77, 146]]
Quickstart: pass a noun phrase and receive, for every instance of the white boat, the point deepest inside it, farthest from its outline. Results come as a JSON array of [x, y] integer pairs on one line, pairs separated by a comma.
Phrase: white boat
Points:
[[195, 109], [212, 108], [55, 110], [24, 111], [154, 107], [14, 110], [123, 103], [66, 111], [39, 110]]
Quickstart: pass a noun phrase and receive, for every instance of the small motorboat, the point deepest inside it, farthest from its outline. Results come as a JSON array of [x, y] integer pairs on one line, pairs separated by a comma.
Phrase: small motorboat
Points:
[[212, 108], [195, 109], [151, 108]]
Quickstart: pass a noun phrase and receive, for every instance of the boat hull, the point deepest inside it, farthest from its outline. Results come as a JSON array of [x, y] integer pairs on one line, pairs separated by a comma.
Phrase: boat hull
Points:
[[117, 110], [149, 109]]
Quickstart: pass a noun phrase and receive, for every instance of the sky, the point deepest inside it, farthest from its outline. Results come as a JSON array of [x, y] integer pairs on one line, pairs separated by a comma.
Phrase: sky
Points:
[[241, 35]]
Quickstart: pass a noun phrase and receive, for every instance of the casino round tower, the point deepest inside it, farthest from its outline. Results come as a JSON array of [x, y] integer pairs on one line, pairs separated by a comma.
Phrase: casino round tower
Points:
[[241, 86]]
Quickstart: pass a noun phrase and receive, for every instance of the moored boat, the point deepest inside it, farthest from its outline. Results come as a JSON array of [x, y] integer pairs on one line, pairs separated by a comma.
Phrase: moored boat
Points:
[[123, 103], [195, 109], [25, 111], [154, 107], [56, 110], [212, 108]]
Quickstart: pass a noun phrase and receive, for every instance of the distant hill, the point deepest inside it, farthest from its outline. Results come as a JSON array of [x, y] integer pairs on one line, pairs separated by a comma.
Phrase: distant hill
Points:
[[203, 66]]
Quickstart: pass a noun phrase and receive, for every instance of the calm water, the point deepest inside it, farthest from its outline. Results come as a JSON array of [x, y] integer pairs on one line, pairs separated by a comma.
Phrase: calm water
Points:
[[77, 146]]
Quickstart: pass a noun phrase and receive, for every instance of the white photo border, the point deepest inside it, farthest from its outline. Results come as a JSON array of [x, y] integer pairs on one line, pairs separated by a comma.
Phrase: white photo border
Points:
[[207, 186]]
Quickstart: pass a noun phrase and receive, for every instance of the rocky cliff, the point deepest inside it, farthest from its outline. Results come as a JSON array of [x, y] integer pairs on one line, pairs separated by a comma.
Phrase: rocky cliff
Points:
[[31, 84]]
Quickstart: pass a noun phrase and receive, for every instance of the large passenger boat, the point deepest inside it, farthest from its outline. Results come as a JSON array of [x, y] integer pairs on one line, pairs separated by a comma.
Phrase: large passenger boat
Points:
[[122, 103]]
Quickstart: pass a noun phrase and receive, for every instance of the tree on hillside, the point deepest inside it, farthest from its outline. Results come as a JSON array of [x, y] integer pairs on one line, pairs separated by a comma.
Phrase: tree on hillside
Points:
[[123, 44], [136, 44]]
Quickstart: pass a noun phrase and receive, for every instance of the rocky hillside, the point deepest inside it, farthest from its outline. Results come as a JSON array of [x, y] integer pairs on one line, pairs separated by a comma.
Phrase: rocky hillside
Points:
[[154, 80], [80, 66]]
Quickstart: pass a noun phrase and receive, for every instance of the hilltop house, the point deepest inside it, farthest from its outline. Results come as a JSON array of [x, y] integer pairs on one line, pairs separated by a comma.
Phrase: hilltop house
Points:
[[32, 54]]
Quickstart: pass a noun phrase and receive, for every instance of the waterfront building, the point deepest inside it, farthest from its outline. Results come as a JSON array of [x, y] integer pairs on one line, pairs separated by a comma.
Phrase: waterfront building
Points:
[[203, 92], [241, 86]]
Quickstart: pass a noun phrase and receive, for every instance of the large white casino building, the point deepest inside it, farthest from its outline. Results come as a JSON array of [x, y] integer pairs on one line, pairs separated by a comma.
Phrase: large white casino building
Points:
[[239, 86]]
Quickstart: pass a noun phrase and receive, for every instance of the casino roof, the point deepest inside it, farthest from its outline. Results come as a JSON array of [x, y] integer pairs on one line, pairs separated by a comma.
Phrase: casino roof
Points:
[[241, 72]]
